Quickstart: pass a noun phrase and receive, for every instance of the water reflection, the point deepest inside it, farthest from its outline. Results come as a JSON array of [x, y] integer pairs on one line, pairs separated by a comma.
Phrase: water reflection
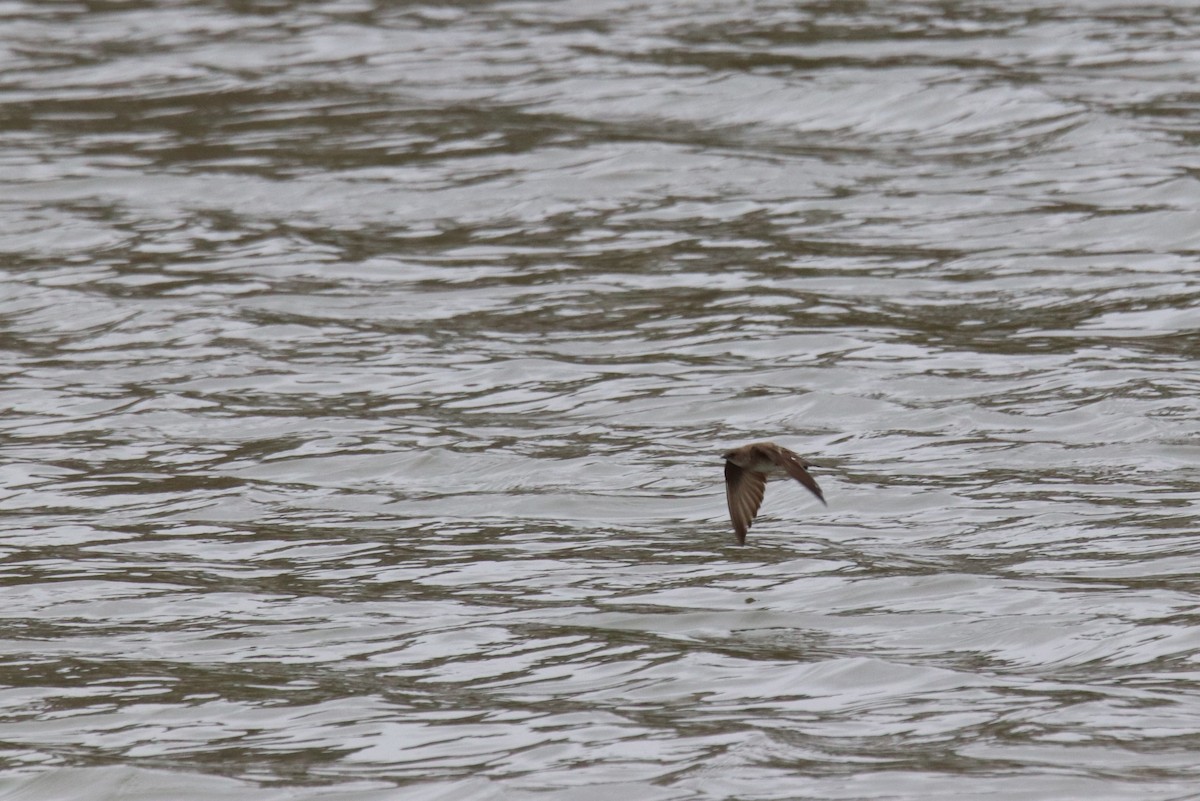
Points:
[[369, 370]]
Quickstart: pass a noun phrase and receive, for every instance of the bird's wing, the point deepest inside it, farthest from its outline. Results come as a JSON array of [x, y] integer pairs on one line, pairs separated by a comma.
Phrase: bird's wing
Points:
[[794, 466], [744, 493]]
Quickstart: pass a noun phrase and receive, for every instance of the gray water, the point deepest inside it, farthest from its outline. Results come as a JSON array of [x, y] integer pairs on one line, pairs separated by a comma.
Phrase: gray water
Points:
[[367, 368]]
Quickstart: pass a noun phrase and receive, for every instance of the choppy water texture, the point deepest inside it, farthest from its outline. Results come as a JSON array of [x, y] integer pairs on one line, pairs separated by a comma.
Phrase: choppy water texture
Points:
[[367, 368]]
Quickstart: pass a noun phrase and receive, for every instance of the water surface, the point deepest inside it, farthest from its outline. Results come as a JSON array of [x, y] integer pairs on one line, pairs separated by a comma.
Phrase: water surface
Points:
[[367, 368]]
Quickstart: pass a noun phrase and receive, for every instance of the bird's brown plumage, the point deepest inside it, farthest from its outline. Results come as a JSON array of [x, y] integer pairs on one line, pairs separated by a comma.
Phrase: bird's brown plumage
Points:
[[746, 471]]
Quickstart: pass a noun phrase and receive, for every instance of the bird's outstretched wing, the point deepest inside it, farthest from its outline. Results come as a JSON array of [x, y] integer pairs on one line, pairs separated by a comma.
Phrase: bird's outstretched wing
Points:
[[795, 467], [744, 493]]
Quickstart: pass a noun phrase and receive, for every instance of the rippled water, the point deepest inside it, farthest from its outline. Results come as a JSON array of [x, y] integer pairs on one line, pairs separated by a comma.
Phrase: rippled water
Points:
[[367, 368]]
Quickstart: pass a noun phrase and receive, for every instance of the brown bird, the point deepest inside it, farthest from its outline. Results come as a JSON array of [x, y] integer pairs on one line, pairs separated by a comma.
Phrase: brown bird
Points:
[[746, 471]]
